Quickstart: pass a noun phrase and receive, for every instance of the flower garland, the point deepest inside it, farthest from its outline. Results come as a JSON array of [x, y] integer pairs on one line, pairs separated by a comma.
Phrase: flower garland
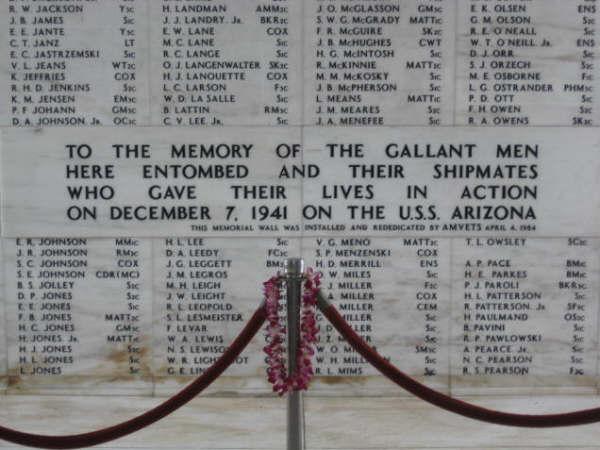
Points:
[[277, 371], [308, 330]]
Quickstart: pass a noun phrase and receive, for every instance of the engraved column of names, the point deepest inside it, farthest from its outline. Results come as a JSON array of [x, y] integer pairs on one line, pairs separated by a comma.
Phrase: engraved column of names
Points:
[[205, 291], [46, 275], [526, 63], [584, 89], [129, 332], [128, 94], [432, 302], [224, 65], [395, 293], [578, 285], [519, 331], [349, 266], [378, 63], [68, 68], [81, 315], [195, 307]]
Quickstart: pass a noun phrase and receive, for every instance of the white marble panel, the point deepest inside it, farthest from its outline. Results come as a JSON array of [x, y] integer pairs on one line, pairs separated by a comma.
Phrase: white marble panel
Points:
[[527, 63], [205, 290], [396, 294], [67, 67], [409, 181], [79, 315], [224, 182], [223, 63], [257, 63], [379, 63], [525, 315]]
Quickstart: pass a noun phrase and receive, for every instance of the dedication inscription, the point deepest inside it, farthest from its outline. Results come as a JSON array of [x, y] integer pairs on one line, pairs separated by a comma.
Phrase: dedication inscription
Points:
[[437, 161]]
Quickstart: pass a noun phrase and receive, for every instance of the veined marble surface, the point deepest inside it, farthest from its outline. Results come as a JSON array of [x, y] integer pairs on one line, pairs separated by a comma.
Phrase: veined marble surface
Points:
[[241, 182], [481, 308], [259, 423]]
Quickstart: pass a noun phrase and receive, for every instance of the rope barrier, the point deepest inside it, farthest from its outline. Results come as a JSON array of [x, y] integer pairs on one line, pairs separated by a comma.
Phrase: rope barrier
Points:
[[255, 323], [151, 416], [443, 401]]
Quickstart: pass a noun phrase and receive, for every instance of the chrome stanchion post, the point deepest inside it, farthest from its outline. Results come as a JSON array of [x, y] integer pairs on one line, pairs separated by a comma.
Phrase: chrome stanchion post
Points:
[[294, 268]]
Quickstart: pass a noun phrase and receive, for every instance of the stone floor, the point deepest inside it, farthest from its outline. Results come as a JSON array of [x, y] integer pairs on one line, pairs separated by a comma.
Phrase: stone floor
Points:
[[331, 423]]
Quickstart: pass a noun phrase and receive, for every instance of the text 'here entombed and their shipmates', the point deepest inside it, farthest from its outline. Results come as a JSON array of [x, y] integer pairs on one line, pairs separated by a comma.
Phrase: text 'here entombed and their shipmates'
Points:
[[364, 182]]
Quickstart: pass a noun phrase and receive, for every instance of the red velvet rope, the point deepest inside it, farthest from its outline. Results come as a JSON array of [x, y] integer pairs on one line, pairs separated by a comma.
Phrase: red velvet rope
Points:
[[155, 414], [448, 403]]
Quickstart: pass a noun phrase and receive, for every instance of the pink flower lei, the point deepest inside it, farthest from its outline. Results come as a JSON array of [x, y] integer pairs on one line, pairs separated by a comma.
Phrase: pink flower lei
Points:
[[277, 371]]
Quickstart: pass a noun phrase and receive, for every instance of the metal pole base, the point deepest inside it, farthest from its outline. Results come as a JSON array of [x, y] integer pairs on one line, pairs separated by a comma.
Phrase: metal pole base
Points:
[[294, 269]]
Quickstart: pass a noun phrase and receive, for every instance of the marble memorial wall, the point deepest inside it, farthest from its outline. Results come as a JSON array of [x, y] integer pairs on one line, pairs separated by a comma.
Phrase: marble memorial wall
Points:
[[436, 160]]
